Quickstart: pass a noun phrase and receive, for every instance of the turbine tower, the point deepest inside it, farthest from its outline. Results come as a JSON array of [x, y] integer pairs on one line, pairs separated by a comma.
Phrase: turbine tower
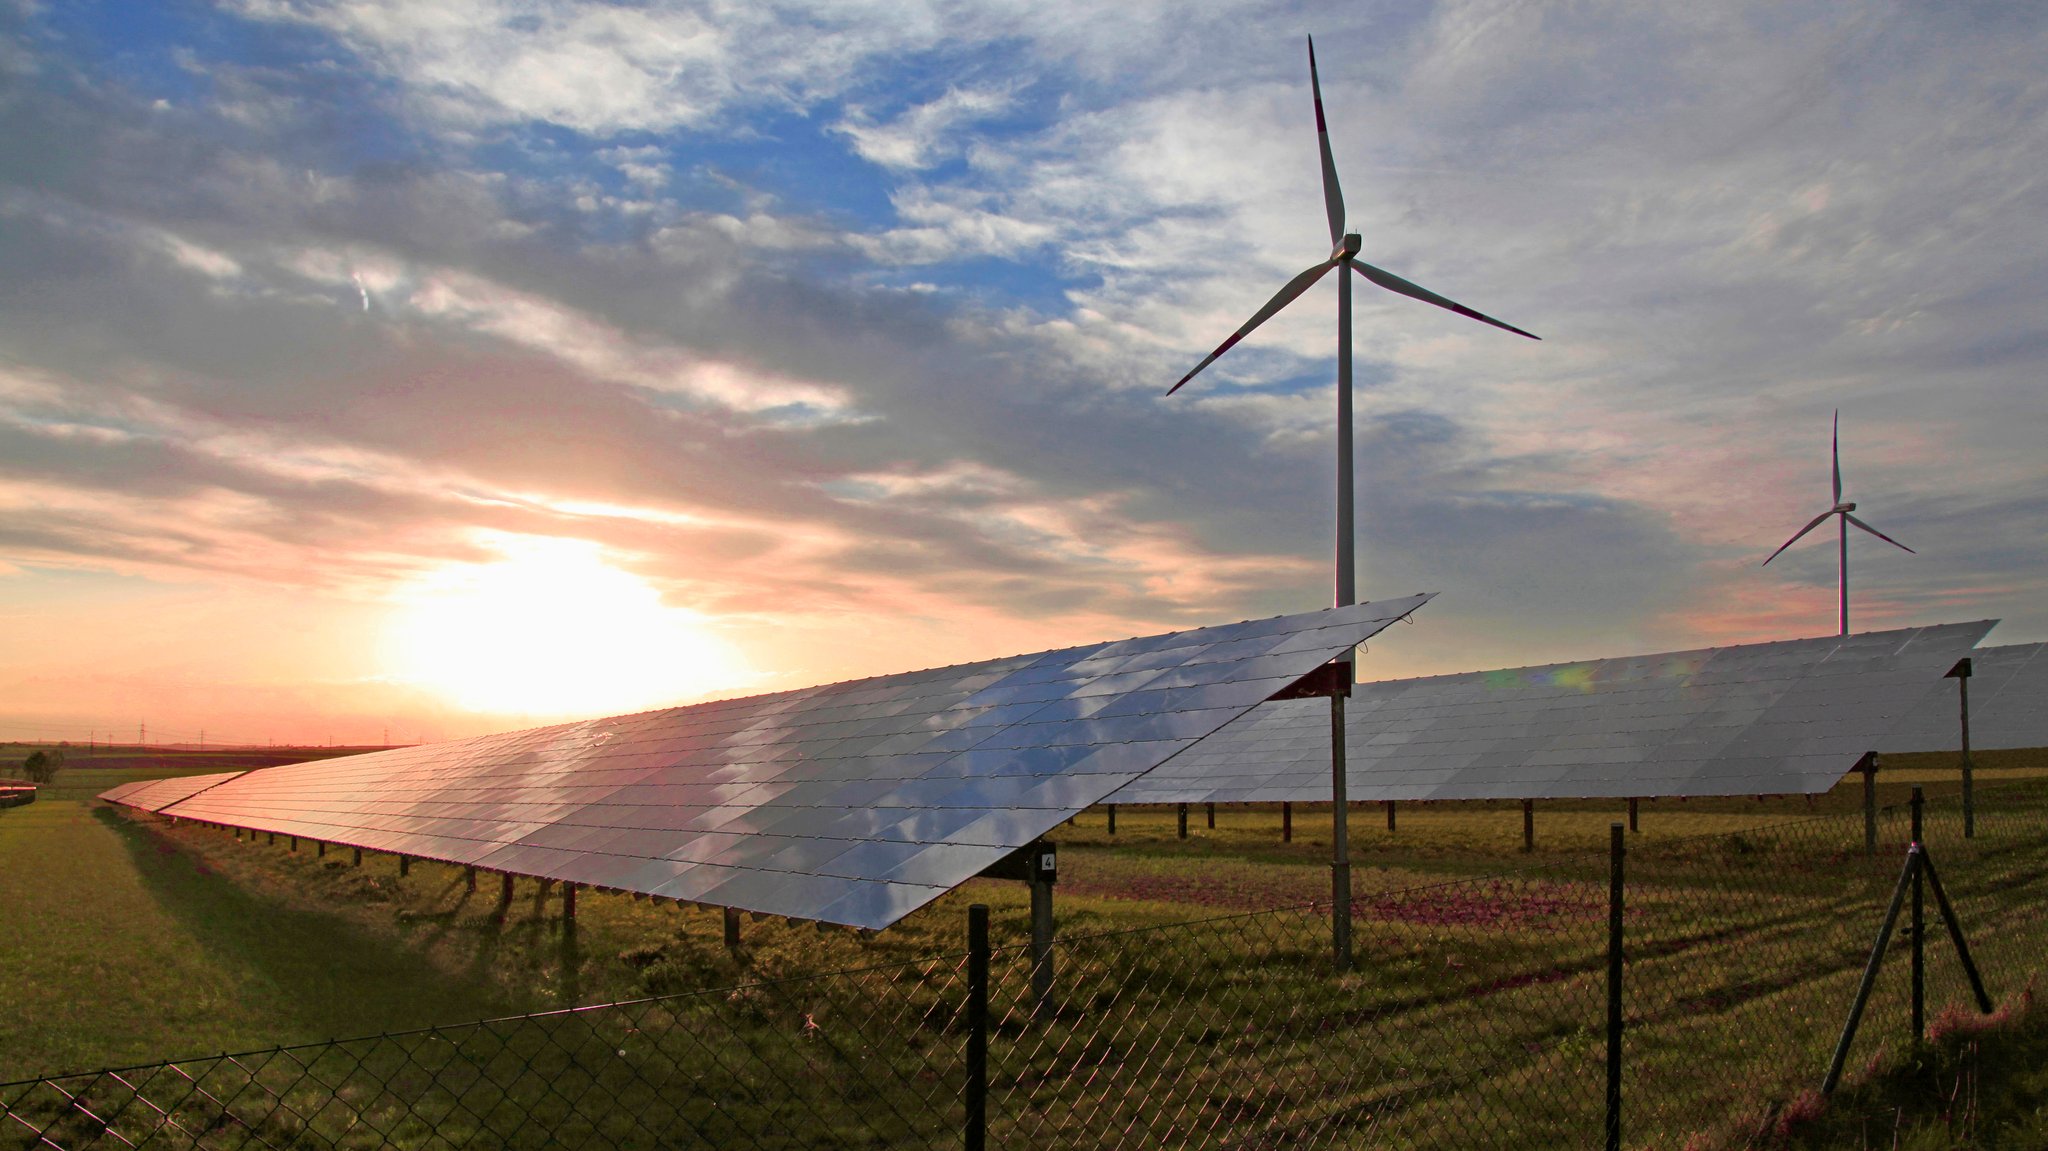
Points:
[[1847, 513], [1344, 249]]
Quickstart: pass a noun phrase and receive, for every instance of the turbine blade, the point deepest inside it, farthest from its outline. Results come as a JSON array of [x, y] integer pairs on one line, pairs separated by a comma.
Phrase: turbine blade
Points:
[[1394, 283], [1333, 194], [1817, 521], [1880, 535], [1281, 299], [1837, 453]]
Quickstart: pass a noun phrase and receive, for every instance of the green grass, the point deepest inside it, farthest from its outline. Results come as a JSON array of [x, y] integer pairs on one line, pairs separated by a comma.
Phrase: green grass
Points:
[[1473, 1018], [125, 945]]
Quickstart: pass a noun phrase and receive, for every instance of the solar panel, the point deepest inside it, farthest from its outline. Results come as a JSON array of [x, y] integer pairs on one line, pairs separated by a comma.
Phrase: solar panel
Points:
[[1791, 716], [2008, 705], [855, 803], [157, 794]]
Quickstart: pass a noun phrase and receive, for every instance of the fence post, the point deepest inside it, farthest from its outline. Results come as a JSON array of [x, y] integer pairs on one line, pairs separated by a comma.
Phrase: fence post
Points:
[[977, 1027], [1919, 936], [1615, 854]]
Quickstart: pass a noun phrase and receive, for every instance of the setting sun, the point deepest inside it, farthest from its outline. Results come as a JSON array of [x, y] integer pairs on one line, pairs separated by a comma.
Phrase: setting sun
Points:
[[552, 630]]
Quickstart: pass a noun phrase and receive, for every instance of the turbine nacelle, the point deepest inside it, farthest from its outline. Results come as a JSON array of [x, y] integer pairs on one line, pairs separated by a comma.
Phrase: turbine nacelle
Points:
[[1844, 508], [1348, 247]]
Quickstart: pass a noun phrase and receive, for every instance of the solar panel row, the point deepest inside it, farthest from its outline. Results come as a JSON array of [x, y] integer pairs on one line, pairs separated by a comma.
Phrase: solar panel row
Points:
[[2008, 705], [1791, 716], [854, 803]]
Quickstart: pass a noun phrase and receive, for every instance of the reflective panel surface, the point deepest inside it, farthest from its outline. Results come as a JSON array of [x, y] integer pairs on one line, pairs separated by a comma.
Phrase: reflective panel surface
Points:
[[157, 794], [855, 803], [2008, 705], [1770, 718]]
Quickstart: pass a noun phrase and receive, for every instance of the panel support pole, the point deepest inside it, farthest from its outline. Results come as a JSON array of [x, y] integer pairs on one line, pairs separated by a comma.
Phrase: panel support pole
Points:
[[1212, 816], [1182, 811], [568, 903], [1390, 815], [1041, 948], [1634, 815], [1528, 825], [1962, 674], [357, 857], [505, 890], [1340, 840], [469, 878], [405, 865], [1868, 766], [1112, 819], [1286, 822], [732, 928]]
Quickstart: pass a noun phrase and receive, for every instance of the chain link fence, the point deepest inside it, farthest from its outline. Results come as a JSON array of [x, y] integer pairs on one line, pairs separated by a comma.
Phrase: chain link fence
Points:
[[1476, 1015]]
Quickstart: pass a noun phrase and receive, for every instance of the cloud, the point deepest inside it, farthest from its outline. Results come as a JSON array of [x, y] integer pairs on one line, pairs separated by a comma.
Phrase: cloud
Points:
[[919, 136]]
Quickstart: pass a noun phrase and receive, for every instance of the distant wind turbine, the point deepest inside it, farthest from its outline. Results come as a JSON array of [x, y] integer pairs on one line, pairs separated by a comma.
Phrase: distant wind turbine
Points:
[[1846, 511], [1344, 252]]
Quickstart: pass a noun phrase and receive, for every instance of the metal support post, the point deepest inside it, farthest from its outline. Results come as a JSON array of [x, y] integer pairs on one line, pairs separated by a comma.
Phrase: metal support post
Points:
[[357, 859], [1287, 823], [505, 891], [976, 1088], [320, 849], [1183, 812], [1634, 815], [273, 839], [1961, 672], [1868, 766], [1112, 819], [1340, 843], [1528, 825], [1919, 936], [1955, 933], [1212, 816], [568, 903], [1615, 889], [1041, 947], [405, 865], [469, 878], [732, 928], [1390, 815], [295, 845]]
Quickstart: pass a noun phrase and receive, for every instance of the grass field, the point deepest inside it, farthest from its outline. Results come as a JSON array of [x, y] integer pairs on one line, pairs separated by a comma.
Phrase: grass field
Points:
[[148, 939]]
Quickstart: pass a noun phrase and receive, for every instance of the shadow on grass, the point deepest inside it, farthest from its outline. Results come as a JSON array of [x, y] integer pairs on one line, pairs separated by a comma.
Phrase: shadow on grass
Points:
[[320, 976]]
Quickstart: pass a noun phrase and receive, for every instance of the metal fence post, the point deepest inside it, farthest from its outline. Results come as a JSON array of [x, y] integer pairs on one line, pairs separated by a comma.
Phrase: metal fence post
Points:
[[1041, 948], [1615, 854], [1919, 935], [977, 1027]]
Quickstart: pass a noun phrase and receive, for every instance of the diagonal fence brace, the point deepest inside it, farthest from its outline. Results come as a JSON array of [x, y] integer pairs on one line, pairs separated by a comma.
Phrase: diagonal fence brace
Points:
[[1918, 865]]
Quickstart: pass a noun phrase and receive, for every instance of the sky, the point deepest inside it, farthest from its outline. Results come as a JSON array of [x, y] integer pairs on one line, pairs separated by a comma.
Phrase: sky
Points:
[[377, 371]]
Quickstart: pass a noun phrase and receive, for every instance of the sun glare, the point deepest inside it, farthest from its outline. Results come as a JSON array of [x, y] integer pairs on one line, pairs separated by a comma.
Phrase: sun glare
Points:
[[552, 630]]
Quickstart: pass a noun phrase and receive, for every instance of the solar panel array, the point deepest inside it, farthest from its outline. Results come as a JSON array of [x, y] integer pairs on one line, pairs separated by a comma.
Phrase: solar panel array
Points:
[[855, 803], [1791, 716], [2008, 705], [157, 794]]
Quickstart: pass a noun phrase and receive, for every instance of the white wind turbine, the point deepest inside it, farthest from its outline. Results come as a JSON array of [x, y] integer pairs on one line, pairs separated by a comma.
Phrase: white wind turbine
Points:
[[1846, 512], [1343, 254]]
